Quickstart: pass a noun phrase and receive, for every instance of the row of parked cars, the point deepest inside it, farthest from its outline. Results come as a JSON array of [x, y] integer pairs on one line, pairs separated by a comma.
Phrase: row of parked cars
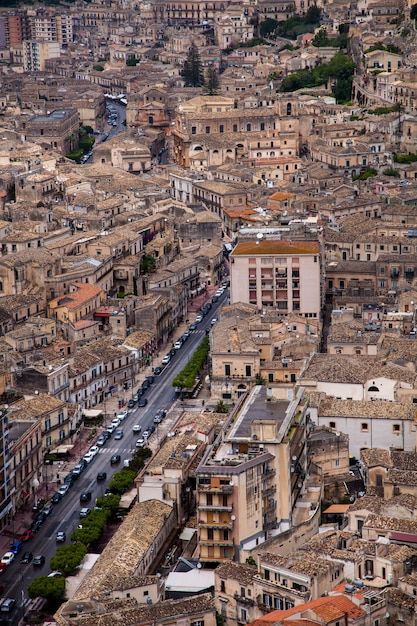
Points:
[[138, 397]]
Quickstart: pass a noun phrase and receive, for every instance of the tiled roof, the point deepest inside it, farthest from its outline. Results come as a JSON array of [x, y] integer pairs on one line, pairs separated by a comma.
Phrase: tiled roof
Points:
[[373, 457], [241, 572], [276, 246]]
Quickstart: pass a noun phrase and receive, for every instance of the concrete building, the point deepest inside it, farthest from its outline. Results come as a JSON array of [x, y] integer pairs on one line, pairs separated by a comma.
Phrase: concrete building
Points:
[[58, 129], [277, 273], [36, 53], [249, 480]]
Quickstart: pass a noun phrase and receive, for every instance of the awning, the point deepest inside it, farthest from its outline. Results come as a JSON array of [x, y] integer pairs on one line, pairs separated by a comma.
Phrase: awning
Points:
[[62, 449], [92, 412], [336, 509], [404, 537]]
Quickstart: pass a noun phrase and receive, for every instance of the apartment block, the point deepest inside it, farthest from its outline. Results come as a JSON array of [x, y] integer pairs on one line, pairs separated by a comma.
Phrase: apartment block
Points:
[[249, 480], [277, 273], [36, 53]]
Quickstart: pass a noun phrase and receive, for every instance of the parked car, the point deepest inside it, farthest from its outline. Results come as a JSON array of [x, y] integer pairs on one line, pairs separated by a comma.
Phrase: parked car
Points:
[[137, 428], [142, 402], [26, 558], [106, 435], [16, 547], [219, 293], [111, 427], [78, 469], [55, 574], [88, 456], [115, 422], [193, 326], [101, 476], [118, 435], [94, 450], [57, 497], [63, 490], [150, 380], [35, 526], [215, 299], [101, 441], [157, 371], [122, 415], [27, 535], [172, 352], [198, 319], [131, 403], [8, 558], [146, 434], [48, 509], [213, 321], [140, 443], [69, 479], [178, 345], [85, 512], [186, 334], [61, 536], [146, 384], [166, 359], [39, 560], [85, 496], [115, 459]]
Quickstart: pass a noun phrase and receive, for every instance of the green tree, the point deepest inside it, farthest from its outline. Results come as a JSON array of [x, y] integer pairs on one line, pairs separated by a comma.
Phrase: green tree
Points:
[[132, 62], [193, 70], [413, 12], [122, 481], [267, 27], [110, 501], [250, 560], [67, 558], [147, 264], [321, 39], [211, 85], [221, 407], [98, 68], [313, 15], [51, 588], [259, 380]]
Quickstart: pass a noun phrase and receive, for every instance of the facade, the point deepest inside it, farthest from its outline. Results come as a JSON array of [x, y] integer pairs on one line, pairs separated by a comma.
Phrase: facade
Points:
[[58, 129], [36, 53], [281, 274], [248, 481]]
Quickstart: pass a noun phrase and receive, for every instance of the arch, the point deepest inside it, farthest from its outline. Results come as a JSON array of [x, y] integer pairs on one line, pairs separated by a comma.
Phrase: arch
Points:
[[239, 146], [198, 148], [373, 388], [289, 108]]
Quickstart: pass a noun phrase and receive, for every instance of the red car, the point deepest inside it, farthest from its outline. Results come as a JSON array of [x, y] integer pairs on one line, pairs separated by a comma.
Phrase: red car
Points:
[[3, 567], [28, 534]]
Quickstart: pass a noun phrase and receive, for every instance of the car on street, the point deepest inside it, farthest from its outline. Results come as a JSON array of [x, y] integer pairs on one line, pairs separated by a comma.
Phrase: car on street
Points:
[[157, 419], [140, 442], [146, 384], [178, 345], [3, 568], [111, 428], [131, 403], [55, 574], [157, 371], [85, 496], [115, 459], [137, 428], [8, 558], [142, 402], [85, 512], [101, 476], [41, 517], [35, 526], [48, 509], [78, 469], [27, 535], [94, 450], [215, 299], [101, 441], [69, 479], [186, 334], [38, 560], [61, 536], [26, 558], [88, 457], [146, 434], [172, 352], [166, 359], [7, 605], [150, 380], [106, 435], [57, 497], [135, 397], [115, 422], [213, 321], [63, 490], [16, 547], [219, 293], [198, 319], [118, 435], [193, 326], [122, 415]]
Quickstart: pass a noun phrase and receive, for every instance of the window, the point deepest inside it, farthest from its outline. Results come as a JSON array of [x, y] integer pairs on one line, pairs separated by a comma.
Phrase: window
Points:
[[396, 428], [270, 378], [207, 130], [47, 424], [221, 128], [235, 128], [332, 424], [364, 427], [199, 622], [193, 130], [248, 370], [243, 615], [227, 369], [222, 586]]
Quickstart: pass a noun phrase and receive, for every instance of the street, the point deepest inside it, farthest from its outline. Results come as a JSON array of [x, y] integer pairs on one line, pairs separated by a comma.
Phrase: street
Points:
[[65, 516]]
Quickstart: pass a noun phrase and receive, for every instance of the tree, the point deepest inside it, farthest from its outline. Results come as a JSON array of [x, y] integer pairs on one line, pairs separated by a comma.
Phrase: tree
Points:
[[221, 407], [50, 588], [193, 71], [147, 264], [110, 501], [321, 39], [98, 68], [67, 558], [313, 15], [211, 86], [122, 481], [267, 27]]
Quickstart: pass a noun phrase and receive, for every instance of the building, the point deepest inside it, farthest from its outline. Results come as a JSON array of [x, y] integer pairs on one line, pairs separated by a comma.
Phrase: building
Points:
[[36, 53], [58, 129], [249, 480], [276, 273]]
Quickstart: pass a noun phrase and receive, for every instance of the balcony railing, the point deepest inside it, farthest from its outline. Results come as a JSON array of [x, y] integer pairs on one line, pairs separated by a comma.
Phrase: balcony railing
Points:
[[219, 525], [215, 507], [216, 542], [219, 489]]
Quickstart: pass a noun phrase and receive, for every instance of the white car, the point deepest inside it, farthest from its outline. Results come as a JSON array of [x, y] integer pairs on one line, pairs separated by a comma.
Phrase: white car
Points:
[[88, 457], [122, 415], [219, 293], [137, 428], [63, 490], [115, 422], [94, 450], [166, 359], [178, 345], [213, 321], [198, 319], [111, 428], [8, 558]]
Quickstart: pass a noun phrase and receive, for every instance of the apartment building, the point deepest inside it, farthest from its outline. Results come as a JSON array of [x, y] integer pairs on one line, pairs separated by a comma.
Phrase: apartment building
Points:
[[248, 481], [36, 53], [25, 439], [6, 503], [277, 273]]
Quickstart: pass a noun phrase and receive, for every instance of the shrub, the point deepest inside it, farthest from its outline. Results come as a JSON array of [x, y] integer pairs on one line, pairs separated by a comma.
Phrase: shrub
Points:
[[187, 376], [67, 558]]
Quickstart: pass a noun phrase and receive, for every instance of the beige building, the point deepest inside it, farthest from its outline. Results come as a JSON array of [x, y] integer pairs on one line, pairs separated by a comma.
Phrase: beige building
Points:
[[36, 53], [58, 129], [25, 439], [277, 273], [80, 303], [248, 482]]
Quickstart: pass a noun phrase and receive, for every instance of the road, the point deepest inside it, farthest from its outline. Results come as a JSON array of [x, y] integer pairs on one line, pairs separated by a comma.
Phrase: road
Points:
[[66, 513]]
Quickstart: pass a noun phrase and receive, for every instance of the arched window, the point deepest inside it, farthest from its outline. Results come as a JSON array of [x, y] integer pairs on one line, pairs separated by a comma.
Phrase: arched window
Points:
[[289, 108], [248, 127], [373, 388]]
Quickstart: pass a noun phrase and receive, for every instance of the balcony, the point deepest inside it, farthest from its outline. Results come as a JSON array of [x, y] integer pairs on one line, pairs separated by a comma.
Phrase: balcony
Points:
[[269, 491], [395, 274], [244, 600], [219, 525], [216, 542], [219, 489], [215, 507]]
